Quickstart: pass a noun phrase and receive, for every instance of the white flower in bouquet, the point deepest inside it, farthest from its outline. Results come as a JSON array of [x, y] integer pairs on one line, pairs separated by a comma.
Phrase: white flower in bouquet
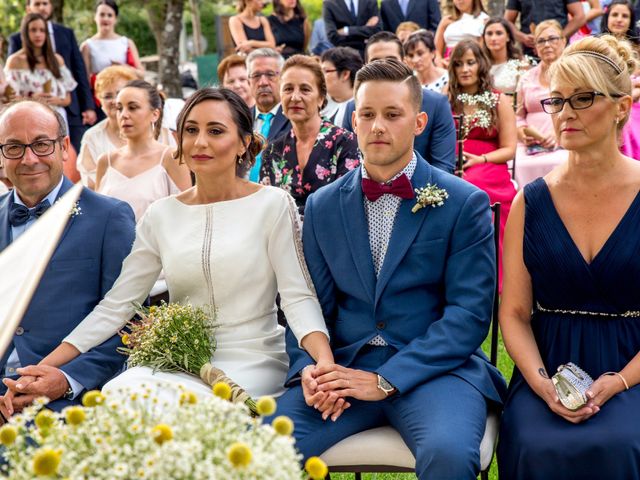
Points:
[[208, 439], [481, 116]]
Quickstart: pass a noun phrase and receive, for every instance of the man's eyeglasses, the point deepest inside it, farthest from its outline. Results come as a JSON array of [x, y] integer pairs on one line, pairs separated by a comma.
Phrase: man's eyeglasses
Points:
[[270, 75], [550, 40], [578, 101], [41, 148]]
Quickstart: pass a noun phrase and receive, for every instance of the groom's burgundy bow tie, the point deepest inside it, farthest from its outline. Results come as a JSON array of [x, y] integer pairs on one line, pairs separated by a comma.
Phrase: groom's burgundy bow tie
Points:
[[401, 187]]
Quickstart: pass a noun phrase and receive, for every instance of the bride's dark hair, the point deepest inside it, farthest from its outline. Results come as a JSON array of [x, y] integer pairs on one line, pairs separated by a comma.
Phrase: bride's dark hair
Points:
[[241, 115]]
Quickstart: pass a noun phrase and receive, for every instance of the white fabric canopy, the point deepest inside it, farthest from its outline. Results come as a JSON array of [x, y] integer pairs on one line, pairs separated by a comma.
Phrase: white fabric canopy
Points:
[[23, 262]]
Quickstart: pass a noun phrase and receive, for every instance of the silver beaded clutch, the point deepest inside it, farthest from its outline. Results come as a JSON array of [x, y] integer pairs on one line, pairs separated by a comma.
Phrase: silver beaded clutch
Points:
[[571, 384]]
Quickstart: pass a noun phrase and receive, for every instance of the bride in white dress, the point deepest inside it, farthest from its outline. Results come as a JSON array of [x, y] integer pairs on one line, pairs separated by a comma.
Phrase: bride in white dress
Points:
[[226, 242]]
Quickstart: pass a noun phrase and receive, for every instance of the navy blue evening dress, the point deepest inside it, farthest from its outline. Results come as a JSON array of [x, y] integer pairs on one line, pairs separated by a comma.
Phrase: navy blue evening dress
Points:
[[534, 442]]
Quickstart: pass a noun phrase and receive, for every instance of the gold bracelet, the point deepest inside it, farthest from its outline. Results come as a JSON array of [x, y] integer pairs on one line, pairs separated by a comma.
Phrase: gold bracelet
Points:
[[626, 385]]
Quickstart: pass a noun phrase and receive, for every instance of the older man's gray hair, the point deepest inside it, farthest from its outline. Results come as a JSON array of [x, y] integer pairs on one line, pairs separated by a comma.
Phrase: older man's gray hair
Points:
[[264, 53]]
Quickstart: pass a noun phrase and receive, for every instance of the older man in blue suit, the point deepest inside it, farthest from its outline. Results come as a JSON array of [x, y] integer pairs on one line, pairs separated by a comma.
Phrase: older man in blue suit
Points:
[[86, 262], [437, 142], [81, 110], [405, 281]]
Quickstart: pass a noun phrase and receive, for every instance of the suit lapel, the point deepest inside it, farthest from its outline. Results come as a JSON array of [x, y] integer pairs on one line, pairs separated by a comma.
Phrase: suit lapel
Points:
[[276, 124], [66, 185], [5, 228], [356, 230], [405, 228]]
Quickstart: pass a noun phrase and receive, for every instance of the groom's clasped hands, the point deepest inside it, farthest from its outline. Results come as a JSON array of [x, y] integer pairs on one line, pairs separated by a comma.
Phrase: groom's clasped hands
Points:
[[326, 387]]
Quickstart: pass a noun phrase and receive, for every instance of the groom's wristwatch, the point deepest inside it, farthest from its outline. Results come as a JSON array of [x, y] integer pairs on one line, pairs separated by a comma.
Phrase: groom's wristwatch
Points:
[[385, 386]]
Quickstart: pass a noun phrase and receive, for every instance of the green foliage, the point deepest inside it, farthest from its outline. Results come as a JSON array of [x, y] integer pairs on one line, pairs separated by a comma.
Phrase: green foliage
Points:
[[12, 11]]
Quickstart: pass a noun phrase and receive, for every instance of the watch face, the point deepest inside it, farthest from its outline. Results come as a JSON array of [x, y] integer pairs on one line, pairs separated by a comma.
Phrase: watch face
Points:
[[383, 384]]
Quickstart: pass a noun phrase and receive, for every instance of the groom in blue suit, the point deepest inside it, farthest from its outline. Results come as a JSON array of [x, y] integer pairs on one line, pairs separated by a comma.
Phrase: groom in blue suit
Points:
[[406, 283], [86, 262]]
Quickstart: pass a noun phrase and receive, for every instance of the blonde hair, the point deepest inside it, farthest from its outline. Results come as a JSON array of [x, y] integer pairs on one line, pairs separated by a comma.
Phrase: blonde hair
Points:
[[110, 75], [604, 64], [542, 26], [407, 27]]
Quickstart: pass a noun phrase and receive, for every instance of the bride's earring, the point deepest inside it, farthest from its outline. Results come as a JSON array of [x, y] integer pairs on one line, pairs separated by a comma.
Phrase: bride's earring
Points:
[[153, 129], [239, 159]]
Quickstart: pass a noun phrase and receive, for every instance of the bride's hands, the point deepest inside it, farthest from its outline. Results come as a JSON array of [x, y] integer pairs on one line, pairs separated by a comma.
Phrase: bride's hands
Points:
[[329, 404], [603, 389], [547, 392]]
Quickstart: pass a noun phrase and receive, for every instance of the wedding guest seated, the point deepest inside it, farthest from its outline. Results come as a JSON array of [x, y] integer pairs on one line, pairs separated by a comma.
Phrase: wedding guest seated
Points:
[[104, 136], [143, 170], [339, 66], [86, 262], [316, 152], [507, 62], [572, 263], [232, 74], [406, 294], [437, 142], [249, 29], [538, 150], [489, 128], [466, 22], [419, 53], [254, 246], [620, 21], [290, 26], [264, 66], [405, 29]]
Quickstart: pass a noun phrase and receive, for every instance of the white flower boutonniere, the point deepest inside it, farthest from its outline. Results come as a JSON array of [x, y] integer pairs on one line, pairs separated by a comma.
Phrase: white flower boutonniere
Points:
[[76, 210], [430, 195]]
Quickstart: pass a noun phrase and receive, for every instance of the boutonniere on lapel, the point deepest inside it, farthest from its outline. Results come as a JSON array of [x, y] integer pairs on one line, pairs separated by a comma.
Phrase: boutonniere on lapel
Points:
[[75, 210], [430, 195]]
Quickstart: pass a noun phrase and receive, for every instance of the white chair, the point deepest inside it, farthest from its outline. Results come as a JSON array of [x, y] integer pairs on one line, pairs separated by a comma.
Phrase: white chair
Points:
[[383, 450]]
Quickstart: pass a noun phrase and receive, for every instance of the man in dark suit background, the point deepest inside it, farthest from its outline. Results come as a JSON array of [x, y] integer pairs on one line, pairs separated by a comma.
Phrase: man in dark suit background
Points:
[[81, 110], [98, 236], [349, 23], [263, 67], [425, 13], [437, 142]]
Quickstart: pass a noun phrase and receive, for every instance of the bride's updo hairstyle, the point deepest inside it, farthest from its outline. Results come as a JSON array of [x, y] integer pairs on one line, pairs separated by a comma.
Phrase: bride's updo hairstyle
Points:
[[242, 118], [603, 64]]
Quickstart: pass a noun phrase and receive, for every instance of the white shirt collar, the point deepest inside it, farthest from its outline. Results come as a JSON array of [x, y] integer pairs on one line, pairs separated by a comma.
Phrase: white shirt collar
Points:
[[408, 170], [274, 110]]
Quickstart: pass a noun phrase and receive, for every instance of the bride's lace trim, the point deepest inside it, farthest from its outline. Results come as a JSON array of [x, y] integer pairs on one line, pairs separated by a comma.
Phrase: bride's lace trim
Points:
[[206, 253], [297, 242]]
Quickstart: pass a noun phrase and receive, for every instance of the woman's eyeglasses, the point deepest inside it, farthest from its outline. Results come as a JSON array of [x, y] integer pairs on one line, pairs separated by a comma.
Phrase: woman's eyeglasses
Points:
[[578, 101], [550, 40]]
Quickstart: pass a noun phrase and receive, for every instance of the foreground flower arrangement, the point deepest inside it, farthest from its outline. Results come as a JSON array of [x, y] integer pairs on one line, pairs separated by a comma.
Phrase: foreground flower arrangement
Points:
[[132, 435]]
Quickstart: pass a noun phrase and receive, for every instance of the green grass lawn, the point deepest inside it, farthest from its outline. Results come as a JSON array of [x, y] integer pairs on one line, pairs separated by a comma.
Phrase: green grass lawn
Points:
[[505, 364]]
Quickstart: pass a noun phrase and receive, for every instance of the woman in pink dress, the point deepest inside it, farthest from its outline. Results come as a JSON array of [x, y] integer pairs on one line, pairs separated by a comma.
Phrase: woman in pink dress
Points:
[[488, 126]]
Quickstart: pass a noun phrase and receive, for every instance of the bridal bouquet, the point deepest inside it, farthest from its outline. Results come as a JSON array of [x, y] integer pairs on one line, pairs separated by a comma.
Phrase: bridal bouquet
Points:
[[178, 338], [132, 435]]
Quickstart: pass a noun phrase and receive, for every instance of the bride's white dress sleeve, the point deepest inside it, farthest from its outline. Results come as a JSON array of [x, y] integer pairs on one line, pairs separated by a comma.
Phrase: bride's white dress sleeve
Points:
[[139, 272], [297, 295]]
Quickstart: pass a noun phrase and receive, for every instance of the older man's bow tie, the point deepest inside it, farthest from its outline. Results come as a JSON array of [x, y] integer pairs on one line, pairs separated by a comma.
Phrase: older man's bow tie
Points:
[[19, 214], [401, 187]]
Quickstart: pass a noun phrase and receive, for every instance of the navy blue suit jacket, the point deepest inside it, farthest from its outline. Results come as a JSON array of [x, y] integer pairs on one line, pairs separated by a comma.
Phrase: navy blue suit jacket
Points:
[[81, 271], [279, 125], [437, 143], [67, 47], [425, 13], [336, 15], [432, 299]]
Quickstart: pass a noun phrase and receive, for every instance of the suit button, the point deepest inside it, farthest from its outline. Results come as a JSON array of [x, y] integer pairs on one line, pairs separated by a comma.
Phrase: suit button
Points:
[[380, 325], [19, 331]]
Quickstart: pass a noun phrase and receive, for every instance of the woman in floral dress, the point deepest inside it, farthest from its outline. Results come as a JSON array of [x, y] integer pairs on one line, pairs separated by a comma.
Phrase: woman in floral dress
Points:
[[315, 152]]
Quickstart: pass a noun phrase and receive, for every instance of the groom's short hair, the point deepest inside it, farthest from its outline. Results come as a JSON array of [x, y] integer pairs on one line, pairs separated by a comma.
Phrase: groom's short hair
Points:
[[390, 70]]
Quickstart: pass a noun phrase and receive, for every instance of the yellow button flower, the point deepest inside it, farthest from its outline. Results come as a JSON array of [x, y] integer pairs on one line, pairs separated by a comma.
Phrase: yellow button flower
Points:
[[125, 339], [266, 406], [189, 398], [316, 468], [46, 462], [75, 415], [8, 435], [161, 433], [222, 390], [93, 398], [239, 454], [283, 425], [45, 419]]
